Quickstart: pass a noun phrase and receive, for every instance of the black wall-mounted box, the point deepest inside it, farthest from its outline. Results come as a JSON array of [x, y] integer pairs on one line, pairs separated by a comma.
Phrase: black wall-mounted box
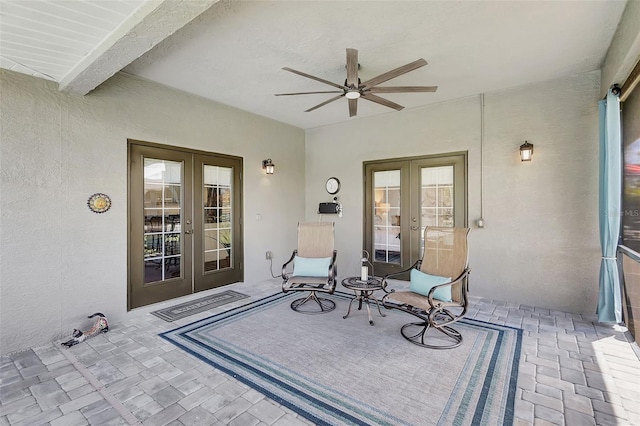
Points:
[[328, 208]]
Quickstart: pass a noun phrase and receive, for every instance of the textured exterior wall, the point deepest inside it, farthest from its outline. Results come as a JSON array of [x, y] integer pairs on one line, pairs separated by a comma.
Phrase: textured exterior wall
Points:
[[624, 52], [59, 261], [540, 241]]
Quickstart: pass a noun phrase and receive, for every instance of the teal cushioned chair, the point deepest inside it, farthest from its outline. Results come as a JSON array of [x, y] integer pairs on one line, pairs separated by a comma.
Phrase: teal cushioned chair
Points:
[[437, 301], [312, 268]]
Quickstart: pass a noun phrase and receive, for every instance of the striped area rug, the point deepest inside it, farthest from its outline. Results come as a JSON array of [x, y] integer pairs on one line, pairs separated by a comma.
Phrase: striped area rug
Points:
[[336, 371]]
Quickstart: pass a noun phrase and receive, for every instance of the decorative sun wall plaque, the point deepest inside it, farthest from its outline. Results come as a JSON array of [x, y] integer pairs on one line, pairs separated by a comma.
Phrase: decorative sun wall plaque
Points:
[[99, 203]]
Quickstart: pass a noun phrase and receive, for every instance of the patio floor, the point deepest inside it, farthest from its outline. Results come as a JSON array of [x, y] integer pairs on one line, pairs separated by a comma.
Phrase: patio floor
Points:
[[573, 371]]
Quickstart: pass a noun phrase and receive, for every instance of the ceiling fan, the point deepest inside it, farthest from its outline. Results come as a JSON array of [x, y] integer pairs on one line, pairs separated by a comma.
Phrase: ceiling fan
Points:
[[353, 88]]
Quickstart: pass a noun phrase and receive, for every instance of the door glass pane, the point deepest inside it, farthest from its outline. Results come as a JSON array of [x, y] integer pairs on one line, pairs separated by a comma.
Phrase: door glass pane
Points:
[[217, 213], [162, 219], [436, 198], [386, 223]]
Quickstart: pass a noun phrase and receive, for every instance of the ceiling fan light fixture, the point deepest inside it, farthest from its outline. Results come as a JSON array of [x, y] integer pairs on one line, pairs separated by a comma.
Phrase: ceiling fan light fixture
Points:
[[352, 94], [353, 88]]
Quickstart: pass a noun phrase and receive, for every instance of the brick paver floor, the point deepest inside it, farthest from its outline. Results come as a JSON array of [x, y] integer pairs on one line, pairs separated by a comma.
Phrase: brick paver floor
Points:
[[573, 371]]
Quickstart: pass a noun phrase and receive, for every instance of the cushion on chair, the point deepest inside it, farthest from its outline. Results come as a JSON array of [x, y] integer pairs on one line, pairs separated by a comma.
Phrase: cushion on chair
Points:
[[422, 283], [311, 266]]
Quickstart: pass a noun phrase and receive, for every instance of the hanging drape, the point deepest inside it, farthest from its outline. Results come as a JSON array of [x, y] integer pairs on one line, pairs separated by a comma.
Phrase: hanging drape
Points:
[[609, 299]]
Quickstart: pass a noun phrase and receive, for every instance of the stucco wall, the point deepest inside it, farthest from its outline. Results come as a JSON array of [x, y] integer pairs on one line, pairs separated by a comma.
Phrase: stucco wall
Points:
[[540, 241], [59, 261], [624, 51]]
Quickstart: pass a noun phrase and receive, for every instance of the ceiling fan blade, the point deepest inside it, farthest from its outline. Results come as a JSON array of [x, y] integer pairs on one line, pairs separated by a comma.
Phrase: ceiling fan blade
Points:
[[335, 98], [330, 83], [352, 68], [307, 93], [395, 73], [403, 89], [382, 101], [353, 107]]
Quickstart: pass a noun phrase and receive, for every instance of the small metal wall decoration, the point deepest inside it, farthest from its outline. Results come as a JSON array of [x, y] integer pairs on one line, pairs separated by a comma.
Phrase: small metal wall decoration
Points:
[[99, 202]]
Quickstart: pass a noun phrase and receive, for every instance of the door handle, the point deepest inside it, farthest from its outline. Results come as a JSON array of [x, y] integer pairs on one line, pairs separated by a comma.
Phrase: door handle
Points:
[[415, 228], [190, 231]]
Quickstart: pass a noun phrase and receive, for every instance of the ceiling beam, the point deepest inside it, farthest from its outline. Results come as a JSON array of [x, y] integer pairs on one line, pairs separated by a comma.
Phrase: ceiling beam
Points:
[[154, 21]]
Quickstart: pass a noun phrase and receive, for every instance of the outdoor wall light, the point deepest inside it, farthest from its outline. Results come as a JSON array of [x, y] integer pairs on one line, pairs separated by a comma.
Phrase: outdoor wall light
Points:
[[526, 151], [268, 166]]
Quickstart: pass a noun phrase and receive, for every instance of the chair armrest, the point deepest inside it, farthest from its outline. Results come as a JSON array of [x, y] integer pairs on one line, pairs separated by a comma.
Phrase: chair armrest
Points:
[[284, 267], [333, 268], [384, 279], [450, 283], [415, 265]]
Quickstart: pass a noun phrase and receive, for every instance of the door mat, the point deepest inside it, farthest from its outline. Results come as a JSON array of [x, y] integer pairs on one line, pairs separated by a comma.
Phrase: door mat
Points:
[[183, 310]]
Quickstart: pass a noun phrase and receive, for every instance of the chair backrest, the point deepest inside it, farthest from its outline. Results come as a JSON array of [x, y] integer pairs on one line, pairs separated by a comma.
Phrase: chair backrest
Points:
[[446, 253], [315, 239]]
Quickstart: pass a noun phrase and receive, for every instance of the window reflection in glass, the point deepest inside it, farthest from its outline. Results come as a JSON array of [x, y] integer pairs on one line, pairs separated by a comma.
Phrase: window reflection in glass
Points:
[[436, 198], [631, 192], [217, 211], [386, 223], [162, 219]]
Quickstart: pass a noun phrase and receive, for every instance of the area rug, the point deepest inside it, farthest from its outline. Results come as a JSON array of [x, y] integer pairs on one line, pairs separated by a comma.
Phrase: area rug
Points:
[[183, 310], [335, 371]]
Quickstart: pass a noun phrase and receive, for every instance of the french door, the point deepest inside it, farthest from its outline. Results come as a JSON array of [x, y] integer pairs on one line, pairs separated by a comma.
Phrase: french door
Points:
[[185, 231], [402, 197]]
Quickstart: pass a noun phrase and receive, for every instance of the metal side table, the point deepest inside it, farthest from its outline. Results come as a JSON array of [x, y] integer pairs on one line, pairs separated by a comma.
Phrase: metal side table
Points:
[[363, 293]]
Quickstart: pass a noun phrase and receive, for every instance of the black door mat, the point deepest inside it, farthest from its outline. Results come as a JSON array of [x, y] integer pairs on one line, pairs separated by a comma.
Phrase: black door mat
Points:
[[183, 310]]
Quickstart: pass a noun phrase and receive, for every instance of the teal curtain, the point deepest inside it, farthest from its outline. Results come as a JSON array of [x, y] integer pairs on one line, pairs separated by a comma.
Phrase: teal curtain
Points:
[[609, 299]]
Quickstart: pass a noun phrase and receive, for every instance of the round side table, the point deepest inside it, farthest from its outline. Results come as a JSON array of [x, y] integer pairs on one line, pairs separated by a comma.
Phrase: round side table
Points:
[[363, 291]]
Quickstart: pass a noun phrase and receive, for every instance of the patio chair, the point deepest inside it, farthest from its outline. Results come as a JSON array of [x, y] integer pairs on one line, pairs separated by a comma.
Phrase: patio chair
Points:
[[438, 290], [312, 268]]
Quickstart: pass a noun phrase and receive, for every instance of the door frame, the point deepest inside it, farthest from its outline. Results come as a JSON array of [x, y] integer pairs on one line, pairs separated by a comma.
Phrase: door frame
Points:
[[238, 233]]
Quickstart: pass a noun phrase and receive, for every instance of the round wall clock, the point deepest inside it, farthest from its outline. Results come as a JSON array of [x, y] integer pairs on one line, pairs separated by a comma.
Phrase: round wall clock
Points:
[[332, 185], [99, 203]]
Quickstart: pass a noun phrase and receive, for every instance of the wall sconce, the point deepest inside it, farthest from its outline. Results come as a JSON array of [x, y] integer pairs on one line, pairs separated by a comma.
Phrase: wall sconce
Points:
[[526, 151], [268, 166]]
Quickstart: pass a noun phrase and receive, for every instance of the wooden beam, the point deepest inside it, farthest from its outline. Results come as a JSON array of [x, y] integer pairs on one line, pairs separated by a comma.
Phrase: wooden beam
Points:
[[154, 21]]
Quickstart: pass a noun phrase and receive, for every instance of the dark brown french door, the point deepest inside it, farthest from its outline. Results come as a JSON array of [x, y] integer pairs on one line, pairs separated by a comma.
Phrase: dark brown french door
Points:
[[402, 197], [185, 232]]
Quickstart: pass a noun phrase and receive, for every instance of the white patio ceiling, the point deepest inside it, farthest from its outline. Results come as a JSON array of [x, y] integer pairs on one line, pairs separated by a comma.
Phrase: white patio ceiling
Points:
[[233, 51]]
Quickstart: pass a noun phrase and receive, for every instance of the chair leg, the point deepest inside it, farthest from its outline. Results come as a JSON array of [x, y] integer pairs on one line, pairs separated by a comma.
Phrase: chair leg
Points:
[[325, 305], [418, 336]]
